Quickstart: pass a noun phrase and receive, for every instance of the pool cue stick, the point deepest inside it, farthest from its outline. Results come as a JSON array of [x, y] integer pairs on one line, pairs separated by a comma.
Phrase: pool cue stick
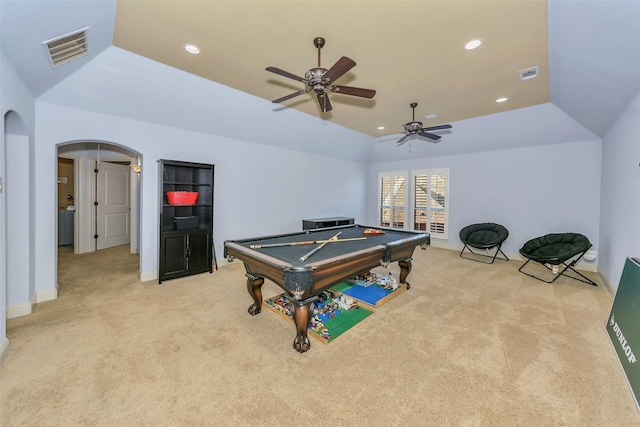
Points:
[[341, 240], [304, 257], [308, 242]]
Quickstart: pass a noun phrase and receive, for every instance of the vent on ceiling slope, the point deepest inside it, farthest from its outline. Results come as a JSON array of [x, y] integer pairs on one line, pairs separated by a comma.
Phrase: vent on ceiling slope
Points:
[[529, 73], [66, 48]]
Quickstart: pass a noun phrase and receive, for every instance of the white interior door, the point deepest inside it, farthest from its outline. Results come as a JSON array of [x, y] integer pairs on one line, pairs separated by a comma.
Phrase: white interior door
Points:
[[113, 210]]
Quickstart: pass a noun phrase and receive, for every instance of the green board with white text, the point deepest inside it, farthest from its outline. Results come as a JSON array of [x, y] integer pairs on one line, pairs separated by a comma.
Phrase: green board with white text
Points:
[[623, 325]]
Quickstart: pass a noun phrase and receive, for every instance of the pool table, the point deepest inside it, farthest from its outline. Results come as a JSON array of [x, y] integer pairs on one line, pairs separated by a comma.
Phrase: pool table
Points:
[[281, 258]]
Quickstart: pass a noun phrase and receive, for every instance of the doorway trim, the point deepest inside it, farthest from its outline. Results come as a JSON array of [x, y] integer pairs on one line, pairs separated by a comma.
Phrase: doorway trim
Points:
[[85, 155]]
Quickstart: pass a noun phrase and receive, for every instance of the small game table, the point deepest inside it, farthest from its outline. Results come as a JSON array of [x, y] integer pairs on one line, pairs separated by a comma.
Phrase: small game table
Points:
[[304, 264]]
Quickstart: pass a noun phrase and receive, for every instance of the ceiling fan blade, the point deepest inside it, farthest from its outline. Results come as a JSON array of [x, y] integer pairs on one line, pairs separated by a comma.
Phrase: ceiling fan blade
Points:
[[294, 94], [438, 127], [285, 74], [343, 65], [355, 91], [430, 135], [325, 104], [403, 139]]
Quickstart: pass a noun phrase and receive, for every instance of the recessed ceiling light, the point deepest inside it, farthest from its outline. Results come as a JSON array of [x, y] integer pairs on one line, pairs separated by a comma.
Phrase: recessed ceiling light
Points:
[[501, 99], [473, 44], [380, 127], [430, 116], [192, 48]]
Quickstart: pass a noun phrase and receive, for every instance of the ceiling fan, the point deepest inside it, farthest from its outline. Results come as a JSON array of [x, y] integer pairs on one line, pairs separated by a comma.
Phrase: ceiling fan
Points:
[[320, 80], [415, 128]]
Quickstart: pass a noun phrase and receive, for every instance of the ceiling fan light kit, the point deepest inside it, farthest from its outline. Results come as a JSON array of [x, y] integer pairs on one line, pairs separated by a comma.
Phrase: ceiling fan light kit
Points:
[[320, 80]]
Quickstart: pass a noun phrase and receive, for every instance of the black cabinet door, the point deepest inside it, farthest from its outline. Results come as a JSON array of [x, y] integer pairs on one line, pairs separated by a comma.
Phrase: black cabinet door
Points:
[[199, 253], [173, 256]]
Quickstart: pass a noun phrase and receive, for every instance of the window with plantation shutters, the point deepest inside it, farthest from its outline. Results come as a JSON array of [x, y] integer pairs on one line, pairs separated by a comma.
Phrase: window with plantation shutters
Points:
[[393, 199], [430, 202]]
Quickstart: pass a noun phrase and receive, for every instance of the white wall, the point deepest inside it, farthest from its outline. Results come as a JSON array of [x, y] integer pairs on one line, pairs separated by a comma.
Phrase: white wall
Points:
[[531, 191], [18, 113], [297, 185], [20, 289], [620, 206]]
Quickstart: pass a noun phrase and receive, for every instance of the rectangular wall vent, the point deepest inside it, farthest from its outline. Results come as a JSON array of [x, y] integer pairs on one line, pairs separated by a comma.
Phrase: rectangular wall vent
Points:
[[529, 73], [66, 48]]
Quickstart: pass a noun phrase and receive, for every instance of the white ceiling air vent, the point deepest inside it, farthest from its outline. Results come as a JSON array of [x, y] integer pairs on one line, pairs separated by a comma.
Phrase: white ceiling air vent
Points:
[[529, 73], [66, 48]]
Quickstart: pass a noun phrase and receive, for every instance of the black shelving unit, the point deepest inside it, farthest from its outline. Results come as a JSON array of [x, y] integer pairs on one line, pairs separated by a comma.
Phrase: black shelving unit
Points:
[[186, 230]]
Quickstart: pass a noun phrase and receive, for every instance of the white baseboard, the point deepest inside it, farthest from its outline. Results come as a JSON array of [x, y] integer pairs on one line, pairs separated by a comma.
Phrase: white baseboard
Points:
[[584, 266], [607, 284], [20, 310], [26, 308], [445, 245], [48, 295], [148, 275], [4, 350], [223, 262]]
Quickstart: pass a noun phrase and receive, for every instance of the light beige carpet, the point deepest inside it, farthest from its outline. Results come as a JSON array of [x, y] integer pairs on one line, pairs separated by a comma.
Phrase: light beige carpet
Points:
[[468, 345]]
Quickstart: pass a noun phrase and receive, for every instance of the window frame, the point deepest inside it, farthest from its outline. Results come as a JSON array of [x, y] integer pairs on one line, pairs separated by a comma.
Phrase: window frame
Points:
[[429, 173], [405, 176]]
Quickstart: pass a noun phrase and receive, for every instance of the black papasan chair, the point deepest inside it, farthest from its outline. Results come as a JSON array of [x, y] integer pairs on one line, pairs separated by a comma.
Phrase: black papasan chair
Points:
[[483, 236], [555, 250]]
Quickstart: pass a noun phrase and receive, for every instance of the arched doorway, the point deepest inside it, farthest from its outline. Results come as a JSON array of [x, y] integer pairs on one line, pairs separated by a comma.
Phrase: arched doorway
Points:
[[101, 172]]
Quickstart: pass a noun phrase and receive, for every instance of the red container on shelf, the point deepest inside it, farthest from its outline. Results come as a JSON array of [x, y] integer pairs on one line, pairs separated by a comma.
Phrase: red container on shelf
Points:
[[182, 197]]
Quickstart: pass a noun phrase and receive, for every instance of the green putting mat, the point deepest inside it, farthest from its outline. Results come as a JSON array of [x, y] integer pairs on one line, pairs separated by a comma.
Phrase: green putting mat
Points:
[[328, 321]]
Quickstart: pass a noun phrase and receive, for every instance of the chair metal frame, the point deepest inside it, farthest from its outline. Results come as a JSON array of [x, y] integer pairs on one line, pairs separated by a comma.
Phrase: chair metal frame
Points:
[[568, 267], [493, 258]]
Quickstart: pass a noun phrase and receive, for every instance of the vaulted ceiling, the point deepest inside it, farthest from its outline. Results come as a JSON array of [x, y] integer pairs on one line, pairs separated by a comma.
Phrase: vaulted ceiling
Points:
[[408, 51]]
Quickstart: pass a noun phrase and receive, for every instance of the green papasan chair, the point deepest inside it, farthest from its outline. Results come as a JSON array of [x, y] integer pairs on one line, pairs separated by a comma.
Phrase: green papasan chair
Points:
[[558, 252]]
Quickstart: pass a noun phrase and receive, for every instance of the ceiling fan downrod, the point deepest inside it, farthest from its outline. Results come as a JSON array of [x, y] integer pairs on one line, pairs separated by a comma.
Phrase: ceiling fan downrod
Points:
[[319, 43]]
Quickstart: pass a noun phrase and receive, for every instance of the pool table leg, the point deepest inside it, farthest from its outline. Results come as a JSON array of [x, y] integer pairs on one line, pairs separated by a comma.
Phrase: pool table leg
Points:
[[254, 286], [302, 316], [405, 269]]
